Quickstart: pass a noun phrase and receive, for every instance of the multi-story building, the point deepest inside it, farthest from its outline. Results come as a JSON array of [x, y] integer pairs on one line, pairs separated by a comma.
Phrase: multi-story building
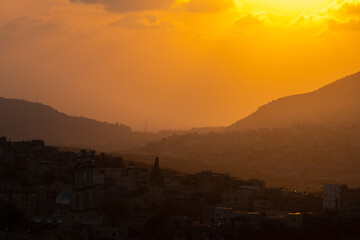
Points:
[[82, 209], [332, 196]]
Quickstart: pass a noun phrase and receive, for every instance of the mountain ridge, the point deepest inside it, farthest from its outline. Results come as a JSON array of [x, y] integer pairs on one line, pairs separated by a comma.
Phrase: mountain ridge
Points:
[[28, 120], [335, 102], [22, 120]]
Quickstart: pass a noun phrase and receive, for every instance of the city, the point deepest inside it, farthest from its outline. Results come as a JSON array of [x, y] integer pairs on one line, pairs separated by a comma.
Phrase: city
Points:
[[49, 194], [179, 120]]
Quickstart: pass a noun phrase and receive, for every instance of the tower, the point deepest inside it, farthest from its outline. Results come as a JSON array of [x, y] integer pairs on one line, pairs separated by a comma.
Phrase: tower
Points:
[[155, 177]]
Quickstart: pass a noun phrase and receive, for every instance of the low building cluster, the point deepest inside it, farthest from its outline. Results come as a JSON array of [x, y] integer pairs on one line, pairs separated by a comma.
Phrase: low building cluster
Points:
[[303, 156], [51, 194]]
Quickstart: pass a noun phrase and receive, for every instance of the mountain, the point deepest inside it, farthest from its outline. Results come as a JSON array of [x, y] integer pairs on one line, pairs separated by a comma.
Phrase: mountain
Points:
[[337, 102], [26, 120], [22, 120], [271, 146]]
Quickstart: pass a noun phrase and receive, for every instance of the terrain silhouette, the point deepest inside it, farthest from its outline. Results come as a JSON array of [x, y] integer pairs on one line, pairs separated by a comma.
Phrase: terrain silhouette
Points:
[[337, 102], [26, 120], [22, 120], [300, 141]]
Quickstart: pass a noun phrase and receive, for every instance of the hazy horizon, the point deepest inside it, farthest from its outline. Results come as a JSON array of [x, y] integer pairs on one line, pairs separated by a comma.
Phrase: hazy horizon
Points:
[[174, 64], [179, 119], [145, 127]]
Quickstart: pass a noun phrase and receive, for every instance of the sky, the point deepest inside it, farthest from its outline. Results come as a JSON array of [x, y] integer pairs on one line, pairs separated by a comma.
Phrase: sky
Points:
[[176, 64]]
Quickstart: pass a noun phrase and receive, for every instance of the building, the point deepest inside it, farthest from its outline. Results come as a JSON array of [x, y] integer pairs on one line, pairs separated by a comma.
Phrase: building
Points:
[[223, 214], [83, 210], [332, 196]]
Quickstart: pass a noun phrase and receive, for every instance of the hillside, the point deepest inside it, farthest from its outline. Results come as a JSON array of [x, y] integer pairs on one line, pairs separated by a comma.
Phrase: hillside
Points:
[[305, 140], [291, 156], [22, 120], [26, 120], [337, 102]]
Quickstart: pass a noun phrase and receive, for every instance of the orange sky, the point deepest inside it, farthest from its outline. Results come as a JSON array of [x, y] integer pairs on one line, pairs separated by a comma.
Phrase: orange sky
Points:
[[175, 63]]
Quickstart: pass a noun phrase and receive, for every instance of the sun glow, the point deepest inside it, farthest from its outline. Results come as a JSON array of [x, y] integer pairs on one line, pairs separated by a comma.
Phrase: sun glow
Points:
[[288, 7], [227, 58]]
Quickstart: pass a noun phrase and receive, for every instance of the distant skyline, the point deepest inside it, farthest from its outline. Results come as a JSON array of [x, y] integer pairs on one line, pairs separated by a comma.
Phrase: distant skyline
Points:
[[173, 63]]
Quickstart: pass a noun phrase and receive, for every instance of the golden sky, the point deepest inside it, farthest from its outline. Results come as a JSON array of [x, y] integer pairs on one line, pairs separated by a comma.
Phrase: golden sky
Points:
[[175, 63]]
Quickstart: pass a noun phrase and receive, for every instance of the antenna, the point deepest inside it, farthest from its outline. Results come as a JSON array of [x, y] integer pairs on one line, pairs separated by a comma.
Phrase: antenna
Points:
[[37, 98]]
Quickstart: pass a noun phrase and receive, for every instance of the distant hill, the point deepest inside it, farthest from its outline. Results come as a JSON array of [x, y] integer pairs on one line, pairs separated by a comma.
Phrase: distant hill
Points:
[[291, 156], [199, 130], [22, 120], [26, 120], [300, 141], [337, 102]]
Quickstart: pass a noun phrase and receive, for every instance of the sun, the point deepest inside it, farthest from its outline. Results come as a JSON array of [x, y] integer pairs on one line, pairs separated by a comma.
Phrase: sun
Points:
[[289, 7]]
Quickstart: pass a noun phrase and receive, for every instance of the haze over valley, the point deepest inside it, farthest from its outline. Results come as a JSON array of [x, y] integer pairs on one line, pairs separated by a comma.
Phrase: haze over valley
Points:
[[295, 139], [179, 119]]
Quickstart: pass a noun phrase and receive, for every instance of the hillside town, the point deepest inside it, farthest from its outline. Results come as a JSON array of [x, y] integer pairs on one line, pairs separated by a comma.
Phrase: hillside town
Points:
[[56, 195], [300, 157]]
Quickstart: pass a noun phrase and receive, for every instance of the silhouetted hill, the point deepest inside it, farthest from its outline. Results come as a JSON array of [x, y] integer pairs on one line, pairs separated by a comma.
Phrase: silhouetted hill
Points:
[[21, 120], [337, 102], [324, 144], [287, 156], [26, 120], [200, 130]]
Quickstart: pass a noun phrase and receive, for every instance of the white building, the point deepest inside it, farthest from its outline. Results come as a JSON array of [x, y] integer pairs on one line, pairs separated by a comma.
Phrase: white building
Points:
[[332, 196]]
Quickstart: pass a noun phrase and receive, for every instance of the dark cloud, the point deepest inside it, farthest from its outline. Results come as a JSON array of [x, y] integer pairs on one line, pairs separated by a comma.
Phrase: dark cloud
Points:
[[141, 22], [32, 24], [130, 5], [146, 5]]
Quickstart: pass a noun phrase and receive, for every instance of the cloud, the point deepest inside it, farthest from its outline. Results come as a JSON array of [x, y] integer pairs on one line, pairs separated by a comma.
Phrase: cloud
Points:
[[347, 7], [254, 18], [149, 5], [343, 14], [309, 18], [130, 5], [208, 5], [141, 22], [32, 23], [352, 25]]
